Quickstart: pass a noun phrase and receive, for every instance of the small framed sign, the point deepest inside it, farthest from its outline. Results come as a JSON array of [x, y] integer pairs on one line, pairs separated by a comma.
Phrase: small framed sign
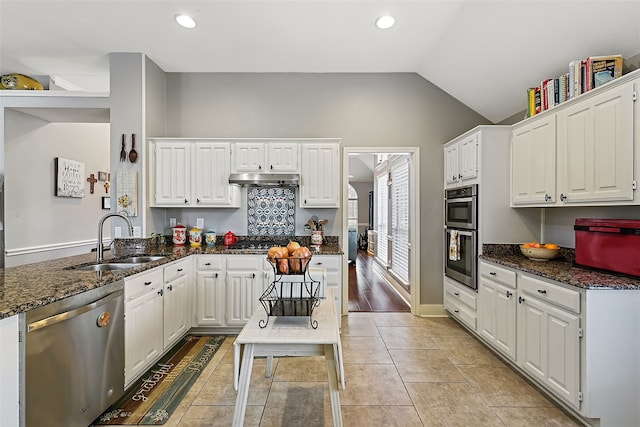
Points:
[[102, 176], [69, 178], [106, 203]]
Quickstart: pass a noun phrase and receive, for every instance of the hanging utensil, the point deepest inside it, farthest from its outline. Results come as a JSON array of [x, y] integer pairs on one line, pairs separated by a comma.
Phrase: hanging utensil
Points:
[[133, 154], [311, 224], [123, 152]]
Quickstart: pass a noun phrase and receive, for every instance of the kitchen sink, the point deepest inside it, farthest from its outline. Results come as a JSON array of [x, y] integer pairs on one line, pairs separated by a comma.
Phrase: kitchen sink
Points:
[[107, 266], [140, 259]]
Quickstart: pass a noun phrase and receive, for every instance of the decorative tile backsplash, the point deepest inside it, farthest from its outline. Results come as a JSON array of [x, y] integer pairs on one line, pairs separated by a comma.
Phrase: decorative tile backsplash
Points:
[[271, 211]]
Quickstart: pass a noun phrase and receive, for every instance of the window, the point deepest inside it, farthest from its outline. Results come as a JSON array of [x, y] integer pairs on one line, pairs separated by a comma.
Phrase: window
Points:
[[399, 221], [382, 214]]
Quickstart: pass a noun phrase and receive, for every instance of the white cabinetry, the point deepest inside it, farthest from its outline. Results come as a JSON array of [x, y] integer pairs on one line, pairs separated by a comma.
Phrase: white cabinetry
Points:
[[461, 302], [461, 161], [178, 301], [210, 290], [191, 173], [497, 308], [274, 157], [595, 148], [320, 175], [328, 270], [9, 370], [143, 313], [247, 279]]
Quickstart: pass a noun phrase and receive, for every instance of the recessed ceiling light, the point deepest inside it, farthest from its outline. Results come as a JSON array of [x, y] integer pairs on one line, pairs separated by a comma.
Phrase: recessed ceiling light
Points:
[[385, 21], [185, 21]]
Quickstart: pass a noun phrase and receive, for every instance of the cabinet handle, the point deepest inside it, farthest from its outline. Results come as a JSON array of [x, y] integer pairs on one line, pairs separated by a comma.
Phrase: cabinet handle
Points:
[[259, 167], [207, 263], [179, 270], [547, 197], [453, 178], [456, 311], [493, 273], [542, 291], [271, 167], [456, 294], [460, 176], [147, 283], [254, 275], [563, 197], [305, 201], [170, 287], [198, 201], [520, 300], [216, 276], [186, 202], [509, 293], [160, 292]]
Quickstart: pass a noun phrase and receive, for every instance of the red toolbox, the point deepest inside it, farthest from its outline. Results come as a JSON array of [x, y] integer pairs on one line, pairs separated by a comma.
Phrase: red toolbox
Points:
[[608, 244]]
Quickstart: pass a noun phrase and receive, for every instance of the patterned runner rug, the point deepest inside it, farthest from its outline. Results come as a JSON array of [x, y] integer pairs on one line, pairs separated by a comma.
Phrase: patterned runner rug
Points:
[[152, 399]]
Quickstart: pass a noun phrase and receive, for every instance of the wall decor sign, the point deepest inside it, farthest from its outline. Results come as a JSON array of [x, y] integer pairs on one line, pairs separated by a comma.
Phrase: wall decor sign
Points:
[[127, 193], [106, 203], [69, 178], [102, 176]]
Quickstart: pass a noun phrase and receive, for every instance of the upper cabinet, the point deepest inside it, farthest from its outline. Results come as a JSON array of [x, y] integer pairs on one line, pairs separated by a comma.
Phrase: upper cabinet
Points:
[[192, 174], [265, 157], [320, 175], [584, 153], [461, 161]]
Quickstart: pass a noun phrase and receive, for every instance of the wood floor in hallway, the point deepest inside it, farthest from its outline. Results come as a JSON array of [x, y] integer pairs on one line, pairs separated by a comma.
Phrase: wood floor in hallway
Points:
[[368, 291]]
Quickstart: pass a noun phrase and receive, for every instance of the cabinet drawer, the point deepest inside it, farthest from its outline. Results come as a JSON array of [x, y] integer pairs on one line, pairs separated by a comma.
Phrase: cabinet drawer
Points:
[[210, 262], [498, 274], [558, 295], [176, 269], [330, 262], [461, 312], [246, 262], [142, 283], [469, 298]]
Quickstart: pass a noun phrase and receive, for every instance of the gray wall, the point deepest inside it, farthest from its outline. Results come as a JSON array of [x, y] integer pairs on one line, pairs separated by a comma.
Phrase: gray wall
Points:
[[365, 110]]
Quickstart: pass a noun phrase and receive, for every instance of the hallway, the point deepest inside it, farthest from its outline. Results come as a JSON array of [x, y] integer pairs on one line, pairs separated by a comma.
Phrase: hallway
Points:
[[368, 292]]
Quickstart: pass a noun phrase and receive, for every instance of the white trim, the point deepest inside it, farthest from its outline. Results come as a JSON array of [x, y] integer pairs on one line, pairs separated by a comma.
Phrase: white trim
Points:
[[414, 223], [47, 248], [431, 310]]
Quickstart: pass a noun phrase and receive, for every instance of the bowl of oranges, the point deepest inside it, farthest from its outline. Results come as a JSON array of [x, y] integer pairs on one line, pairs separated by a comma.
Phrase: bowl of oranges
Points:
[[540, 252]]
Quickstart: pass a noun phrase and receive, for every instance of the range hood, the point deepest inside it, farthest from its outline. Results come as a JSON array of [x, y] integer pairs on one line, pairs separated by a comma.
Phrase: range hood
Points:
[[264, 179]]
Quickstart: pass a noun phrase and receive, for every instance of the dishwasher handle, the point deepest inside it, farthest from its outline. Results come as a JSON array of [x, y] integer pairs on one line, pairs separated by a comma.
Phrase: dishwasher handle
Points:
[[57, 318]]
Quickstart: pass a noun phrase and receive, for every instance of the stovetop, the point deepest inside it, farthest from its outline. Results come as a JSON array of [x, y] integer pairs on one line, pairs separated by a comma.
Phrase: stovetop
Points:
[[260, 245]]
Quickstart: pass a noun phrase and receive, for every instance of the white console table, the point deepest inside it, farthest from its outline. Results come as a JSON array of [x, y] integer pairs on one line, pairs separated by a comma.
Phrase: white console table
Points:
[[284, 336]]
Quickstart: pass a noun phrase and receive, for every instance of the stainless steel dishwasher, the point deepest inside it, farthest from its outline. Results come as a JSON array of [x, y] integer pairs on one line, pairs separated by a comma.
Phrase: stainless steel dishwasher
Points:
[[74, 358]]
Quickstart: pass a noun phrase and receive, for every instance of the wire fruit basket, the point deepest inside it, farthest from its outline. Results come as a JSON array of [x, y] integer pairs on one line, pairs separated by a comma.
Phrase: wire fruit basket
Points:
[[293, 293]]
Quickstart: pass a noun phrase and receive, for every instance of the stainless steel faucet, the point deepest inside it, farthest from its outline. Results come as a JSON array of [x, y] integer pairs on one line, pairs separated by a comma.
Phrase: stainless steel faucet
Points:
[[100, 248]]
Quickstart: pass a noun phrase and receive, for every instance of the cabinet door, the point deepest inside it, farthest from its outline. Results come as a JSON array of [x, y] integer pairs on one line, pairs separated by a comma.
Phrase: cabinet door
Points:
[[320, 176], [468, 167], [451, 171], [549, 347], [210, 298], [283, 156], [178, 296], [244, 288], [211, 176], [595, 148], [497, 316], [249, 157], [143, 333], [172, 173], [533, 163]]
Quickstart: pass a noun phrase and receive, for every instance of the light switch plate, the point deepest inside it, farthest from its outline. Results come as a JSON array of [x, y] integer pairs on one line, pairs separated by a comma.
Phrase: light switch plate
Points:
[[172, 222], [200, 223], [117, 232], [137, 231]]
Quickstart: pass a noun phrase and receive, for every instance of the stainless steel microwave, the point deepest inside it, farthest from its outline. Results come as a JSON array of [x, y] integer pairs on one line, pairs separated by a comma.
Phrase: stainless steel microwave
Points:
[[461, 210]]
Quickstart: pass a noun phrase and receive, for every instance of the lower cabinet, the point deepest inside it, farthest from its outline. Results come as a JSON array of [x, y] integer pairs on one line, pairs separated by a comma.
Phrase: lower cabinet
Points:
[[328, 269], [210, 290], [247, 279], [178, 301]]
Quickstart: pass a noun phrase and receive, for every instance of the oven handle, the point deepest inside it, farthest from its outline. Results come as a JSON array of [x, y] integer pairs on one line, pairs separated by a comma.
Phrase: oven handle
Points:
[[459, 200], [462, 232]]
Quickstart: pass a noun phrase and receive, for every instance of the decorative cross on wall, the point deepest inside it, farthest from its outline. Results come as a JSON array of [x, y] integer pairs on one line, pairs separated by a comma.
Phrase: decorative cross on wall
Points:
[[91, 180], [107, 185]]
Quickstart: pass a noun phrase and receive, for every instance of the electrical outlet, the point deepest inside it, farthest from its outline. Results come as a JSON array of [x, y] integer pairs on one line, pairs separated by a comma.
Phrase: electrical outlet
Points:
[[137, 231], [172, 222], [117, 232], [200, 223]]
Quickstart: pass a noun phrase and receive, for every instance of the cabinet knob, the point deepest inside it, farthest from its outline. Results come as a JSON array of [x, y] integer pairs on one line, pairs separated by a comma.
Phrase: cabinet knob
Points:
[[198, 201], [509, 293], [453, 178], [547, 198], [456, 311], [563, 197], [147, 283], [456, 294], [493, 273], [259, 167], [207, 263], [179, 270], [271, 167], [459, 176], [216, 276], [170, 287], [520, 300], [254, 275], [542, 291], [160, 292], [186, 202]]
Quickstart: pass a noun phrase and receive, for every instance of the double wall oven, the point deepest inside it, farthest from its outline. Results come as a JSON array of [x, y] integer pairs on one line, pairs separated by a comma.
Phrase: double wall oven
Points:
[[460, 235]]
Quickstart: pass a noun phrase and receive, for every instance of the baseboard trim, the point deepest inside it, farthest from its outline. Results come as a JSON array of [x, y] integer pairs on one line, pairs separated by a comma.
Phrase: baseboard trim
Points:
[[431, 310]]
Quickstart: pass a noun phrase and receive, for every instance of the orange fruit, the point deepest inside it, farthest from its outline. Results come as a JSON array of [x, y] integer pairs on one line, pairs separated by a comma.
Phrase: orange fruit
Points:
[[535, 245], [526, 245], [551, 246]]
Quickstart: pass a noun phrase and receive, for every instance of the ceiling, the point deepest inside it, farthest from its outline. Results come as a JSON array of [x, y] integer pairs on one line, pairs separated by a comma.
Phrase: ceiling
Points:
[[484, 53]]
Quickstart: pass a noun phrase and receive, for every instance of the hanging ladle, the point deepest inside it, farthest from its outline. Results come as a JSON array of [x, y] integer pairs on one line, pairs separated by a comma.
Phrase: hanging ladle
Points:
[[133, 154]]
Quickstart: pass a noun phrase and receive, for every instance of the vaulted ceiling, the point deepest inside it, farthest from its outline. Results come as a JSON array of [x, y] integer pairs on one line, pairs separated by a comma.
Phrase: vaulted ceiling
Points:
[[484, 53]]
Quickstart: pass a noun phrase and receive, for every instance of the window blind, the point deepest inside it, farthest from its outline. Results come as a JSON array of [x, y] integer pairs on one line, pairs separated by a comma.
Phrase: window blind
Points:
[[382, 214], [400, 219]]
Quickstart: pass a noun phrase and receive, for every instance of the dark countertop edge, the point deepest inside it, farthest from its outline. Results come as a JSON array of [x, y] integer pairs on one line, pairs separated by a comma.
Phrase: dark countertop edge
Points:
[[560, 270], [66, 288]]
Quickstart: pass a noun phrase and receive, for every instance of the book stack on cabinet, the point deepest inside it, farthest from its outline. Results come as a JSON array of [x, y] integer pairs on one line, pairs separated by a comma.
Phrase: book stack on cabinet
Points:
[[582, 76]]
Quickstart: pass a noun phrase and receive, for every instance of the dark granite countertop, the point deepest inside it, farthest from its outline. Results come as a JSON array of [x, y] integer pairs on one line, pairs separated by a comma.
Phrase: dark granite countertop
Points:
[[561, 269], [29, 286]]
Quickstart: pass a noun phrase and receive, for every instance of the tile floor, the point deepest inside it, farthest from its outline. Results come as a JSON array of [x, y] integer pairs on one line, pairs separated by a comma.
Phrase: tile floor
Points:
[[401, 370]]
